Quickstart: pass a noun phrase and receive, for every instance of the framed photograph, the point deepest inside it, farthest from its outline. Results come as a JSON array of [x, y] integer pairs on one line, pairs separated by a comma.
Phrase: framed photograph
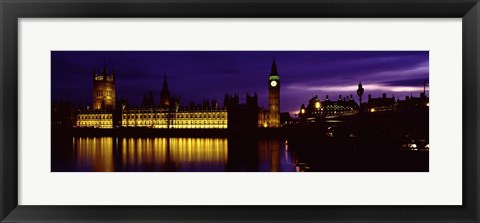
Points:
[[239, 111]]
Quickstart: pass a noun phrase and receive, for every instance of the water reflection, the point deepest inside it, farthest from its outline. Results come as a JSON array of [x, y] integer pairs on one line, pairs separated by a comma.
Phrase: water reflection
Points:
[[269, 155], [94, 154], [106, 154], [174, 154]]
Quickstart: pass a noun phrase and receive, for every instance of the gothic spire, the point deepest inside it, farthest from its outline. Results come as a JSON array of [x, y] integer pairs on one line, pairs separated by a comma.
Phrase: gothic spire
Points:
[[274, 68], [165, 93], [104, 70], [165, 84]]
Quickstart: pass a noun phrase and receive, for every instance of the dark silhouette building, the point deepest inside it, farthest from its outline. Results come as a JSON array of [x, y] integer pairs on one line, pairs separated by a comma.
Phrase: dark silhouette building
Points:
[[317, 109], [242, 116], [413, 103], [165, 94], [63, 114], [148, 100], [383, 103]]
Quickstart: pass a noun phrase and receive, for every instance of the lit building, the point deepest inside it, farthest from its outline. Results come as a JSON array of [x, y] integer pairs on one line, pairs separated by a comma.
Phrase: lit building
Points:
[[95, 119], [103, 90], [263, 118], [343, 106], [102, 113], [184, 118], [317, 109], [168, 114], [249, 115], [274, 97]]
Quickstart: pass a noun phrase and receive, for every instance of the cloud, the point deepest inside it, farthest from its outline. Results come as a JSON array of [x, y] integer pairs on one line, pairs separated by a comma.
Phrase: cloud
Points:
[[420, 69], [353, 88], [409, 82]]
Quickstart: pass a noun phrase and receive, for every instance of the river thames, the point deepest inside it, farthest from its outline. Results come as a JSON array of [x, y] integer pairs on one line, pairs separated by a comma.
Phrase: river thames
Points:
[[161, 154], [106, 154]]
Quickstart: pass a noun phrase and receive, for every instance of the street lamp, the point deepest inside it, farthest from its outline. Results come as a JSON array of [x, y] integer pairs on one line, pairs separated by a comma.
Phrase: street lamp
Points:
[[360, 91]]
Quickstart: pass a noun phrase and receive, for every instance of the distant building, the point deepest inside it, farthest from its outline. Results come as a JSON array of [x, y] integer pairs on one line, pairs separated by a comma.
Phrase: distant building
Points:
[[63, 114], [383, 103], [413, 103], [317, 109], [343, 106], [390, 104], [285, 119]]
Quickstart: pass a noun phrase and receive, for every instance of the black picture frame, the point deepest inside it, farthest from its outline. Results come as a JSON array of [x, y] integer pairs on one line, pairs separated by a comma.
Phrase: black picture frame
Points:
[[11, 11]]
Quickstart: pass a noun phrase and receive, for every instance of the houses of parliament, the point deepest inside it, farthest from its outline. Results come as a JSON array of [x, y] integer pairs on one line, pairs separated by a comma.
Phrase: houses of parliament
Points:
[[108, 112]]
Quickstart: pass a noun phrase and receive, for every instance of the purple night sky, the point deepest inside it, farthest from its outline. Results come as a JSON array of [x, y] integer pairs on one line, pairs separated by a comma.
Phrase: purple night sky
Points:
[[199, 75]]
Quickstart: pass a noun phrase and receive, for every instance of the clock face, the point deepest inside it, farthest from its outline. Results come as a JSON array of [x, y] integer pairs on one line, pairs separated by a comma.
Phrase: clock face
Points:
[[273, 83]]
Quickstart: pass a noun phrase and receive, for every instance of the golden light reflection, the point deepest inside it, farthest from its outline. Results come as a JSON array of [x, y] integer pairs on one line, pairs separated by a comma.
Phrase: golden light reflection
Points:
[[143, 152], [269, 152], [150, 154], [198, 150], [95, 154]]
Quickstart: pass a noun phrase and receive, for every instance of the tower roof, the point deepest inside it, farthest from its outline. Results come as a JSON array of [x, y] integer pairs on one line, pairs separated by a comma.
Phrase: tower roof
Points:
[[165, 93], [274, 72], [104, 70], [165, 84]]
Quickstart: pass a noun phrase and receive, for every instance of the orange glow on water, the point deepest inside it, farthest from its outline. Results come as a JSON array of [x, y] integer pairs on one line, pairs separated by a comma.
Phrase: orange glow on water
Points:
[[269, 152], [98, 154]]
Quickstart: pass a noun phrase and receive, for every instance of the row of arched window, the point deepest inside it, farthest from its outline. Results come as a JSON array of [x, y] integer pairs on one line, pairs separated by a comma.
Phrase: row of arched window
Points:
[[216, 115], [95, 116]]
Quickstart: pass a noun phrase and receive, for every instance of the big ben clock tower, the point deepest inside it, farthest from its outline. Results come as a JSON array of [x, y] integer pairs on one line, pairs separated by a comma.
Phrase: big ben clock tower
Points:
[[274, 97]]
